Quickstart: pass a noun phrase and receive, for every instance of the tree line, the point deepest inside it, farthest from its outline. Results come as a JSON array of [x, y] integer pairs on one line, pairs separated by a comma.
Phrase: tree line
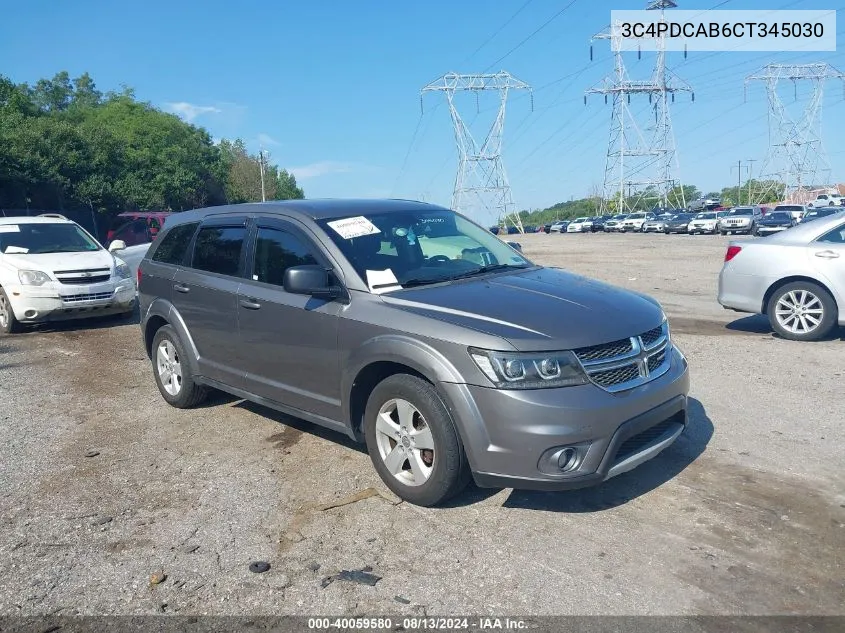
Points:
[[751, 192], [65, 145]]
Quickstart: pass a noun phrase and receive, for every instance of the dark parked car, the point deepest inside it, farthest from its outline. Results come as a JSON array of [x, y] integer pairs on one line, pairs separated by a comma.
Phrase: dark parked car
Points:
[[410, 328], [775, 222], [678, 223], [598, 223], [823, 212]]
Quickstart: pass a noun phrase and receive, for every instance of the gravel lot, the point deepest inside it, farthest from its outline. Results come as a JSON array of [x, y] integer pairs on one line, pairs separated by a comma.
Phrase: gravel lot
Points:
[[745, 514]]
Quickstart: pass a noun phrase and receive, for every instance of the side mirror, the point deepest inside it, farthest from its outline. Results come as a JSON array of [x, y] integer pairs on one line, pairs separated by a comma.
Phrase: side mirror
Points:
[[310, 280], [117, 245]]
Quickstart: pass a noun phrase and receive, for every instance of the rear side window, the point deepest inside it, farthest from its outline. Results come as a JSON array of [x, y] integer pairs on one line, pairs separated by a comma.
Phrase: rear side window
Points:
[[218, 249], [275, 252], [175, 244]]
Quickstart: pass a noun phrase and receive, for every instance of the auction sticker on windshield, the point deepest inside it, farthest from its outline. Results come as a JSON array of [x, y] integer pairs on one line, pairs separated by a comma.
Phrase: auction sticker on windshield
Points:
[[350, 228], [9, 228]]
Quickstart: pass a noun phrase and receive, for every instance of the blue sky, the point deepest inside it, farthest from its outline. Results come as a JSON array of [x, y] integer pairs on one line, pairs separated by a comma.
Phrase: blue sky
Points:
[[331, 87]]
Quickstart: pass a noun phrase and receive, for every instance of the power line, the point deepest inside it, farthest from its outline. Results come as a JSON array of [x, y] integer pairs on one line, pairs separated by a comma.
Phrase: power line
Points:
[[523, 42], [497, 31]]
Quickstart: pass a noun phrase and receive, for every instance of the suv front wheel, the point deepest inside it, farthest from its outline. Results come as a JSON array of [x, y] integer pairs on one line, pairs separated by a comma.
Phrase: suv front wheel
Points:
[[172, 371], [413, 442], [8, 323]]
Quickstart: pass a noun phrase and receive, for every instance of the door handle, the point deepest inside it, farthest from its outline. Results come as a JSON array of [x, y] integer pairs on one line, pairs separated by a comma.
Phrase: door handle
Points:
[[827, 254], [181, 288], [250, 304]]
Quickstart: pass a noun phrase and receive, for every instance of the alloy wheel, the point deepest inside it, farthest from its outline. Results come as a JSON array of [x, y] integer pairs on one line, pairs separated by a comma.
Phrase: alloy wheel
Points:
[[799, 311], [169, 367], [405, 442], [4, 312]]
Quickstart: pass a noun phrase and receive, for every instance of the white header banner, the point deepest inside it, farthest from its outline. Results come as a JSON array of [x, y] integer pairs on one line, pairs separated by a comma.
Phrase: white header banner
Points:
[[726, 31]]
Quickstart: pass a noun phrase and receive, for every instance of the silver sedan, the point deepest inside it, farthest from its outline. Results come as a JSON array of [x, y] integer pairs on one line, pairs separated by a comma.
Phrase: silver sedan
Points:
[[796, 278]]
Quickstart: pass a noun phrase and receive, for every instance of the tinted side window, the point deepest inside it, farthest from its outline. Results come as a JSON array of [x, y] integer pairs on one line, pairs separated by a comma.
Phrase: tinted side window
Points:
[[175, 244], [275, 252], [133, 233], [218, 249], [836, 236]]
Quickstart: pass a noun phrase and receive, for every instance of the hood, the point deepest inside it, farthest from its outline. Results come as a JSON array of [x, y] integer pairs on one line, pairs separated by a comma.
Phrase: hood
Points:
[[541, 309], [50, 262]]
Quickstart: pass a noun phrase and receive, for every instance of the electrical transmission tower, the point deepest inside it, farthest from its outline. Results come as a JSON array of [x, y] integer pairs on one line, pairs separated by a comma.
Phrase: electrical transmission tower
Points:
[[796, 158], [641, 157], [481, 180]]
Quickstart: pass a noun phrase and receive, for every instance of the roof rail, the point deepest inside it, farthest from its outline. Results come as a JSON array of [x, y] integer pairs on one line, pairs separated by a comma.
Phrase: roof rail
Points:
[[52, 215]]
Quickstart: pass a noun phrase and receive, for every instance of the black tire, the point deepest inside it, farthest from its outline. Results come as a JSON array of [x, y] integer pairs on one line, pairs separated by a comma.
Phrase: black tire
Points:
[[8, 322], [829, 314], [451, 472], [190, 393], [723, 233]]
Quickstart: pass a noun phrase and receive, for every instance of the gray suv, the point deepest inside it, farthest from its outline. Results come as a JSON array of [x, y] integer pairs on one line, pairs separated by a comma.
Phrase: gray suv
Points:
[[414, 330]]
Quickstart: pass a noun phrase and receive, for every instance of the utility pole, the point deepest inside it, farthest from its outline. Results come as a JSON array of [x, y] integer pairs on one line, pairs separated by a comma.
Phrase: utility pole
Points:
[[738, 182], [642, 149], [481, 172], [261, 165], [796, 156], [750, 177]]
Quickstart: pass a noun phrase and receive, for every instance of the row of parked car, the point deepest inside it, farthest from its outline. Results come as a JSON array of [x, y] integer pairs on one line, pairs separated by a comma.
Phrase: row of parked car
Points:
[[748, 220]]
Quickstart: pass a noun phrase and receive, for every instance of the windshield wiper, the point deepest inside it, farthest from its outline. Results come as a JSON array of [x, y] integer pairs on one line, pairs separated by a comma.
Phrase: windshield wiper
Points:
[[488, 269]]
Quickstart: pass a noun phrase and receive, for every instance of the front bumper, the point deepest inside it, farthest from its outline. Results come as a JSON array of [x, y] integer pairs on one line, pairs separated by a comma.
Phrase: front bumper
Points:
[[513, 438], [703, 228], [742, 228], [766, 230], [59, 302]]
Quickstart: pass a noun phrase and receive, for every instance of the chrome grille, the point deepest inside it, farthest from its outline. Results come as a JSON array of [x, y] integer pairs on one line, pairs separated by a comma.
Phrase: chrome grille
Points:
[[627, 363], [610, 377], [608, 350], [99, 296], [83, 276], [652, 336]]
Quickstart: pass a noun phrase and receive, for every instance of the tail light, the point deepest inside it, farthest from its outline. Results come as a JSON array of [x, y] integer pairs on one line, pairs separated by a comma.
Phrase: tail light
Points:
[[733, 251], [139, 276]]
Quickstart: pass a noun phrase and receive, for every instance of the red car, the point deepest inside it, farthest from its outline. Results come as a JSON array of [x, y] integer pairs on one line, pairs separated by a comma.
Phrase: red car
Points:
[[136, 227]]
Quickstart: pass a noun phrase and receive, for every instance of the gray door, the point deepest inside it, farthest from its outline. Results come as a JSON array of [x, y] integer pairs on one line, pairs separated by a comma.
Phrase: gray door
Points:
[[205, 294], [288, 341]]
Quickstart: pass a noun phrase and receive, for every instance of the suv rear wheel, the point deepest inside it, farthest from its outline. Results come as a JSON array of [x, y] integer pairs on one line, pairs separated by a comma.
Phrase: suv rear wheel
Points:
[[8, 323], [172, 372], [802, 311], [413, 442]]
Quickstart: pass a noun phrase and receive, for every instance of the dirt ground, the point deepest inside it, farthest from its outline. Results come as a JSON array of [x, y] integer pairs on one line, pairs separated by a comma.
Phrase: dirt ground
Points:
[[104, 486]]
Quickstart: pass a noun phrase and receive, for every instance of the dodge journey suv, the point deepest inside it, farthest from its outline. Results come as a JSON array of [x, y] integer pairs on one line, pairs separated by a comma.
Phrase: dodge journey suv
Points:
[[414, 330]]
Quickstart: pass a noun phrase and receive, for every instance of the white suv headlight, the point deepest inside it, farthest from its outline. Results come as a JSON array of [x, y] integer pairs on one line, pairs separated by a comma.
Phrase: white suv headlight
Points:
[[33, 277], [123, 271]]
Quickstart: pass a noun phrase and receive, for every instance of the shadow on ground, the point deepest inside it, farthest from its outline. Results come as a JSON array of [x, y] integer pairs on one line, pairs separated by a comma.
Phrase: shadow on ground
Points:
[[759, 324], [90, 323], [623, 488]]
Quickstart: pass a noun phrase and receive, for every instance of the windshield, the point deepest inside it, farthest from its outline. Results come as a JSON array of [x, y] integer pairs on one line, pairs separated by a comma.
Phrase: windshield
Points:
[[579, 220], [681, 217], [412, 248], [636, 216], [41, 238], [706, 216], [743, 211], [788, 208]]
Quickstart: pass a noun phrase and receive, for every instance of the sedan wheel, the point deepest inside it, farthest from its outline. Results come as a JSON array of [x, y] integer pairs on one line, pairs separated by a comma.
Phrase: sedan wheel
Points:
[[802, 311]]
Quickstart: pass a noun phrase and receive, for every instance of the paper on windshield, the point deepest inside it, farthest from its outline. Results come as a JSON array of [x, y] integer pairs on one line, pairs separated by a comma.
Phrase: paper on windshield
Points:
[[350, 228], [12, 250], [9, 228], [380, 281]]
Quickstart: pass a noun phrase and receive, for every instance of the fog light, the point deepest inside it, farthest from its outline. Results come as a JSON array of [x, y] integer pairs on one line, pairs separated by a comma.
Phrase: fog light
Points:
[[567, 459], [30, 314]]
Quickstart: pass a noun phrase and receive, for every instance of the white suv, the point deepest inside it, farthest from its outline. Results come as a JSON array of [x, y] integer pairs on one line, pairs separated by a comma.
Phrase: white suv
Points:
[[635, 221], [53, 269], [827, 200], [580, 225]]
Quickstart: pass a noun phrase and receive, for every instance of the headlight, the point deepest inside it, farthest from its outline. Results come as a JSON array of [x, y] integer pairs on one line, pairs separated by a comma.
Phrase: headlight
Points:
[[123, 271], [517, 370], [33, 277]]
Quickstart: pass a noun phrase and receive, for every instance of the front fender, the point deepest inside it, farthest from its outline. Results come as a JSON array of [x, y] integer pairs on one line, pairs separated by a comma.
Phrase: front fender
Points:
[[167, 311], [402, 350]]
